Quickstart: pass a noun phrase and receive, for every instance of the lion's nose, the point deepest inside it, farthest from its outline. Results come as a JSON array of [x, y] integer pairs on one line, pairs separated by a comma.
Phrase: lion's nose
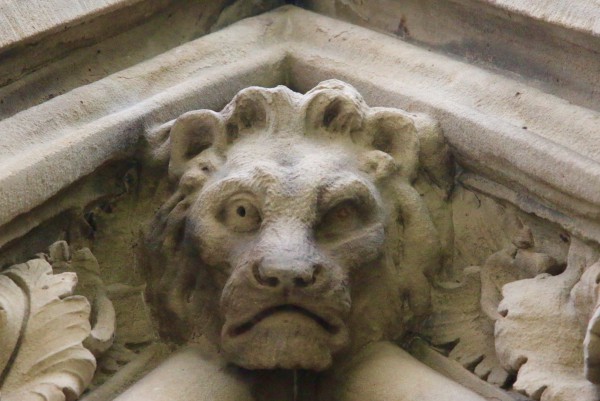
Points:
[[295, 276]]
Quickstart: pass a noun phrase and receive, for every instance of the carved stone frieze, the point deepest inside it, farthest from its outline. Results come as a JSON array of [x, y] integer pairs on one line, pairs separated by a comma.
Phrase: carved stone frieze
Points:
[[306, 231], [249, 248], [431, 233]]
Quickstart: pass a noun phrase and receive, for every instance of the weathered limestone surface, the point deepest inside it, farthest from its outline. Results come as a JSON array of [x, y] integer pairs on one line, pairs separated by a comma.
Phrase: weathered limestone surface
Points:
[[101, 42], [577, 16], [552, 45], [21, 21], [440, 243], [464, 98], [191, 374]]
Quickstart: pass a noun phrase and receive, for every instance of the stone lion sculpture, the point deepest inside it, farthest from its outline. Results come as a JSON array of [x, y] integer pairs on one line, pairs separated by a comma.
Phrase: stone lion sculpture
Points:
[[295, 239]]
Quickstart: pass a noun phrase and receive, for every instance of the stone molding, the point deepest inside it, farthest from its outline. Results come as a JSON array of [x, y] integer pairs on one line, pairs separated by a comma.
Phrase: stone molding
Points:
[[21, 22], [549, 44], [515, 141], [521, 131]]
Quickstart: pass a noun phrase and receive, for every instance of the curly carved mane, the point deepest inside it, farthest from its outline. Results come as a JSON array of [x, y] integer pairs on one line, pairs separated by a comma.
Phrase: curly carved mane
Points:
[[398, 148]]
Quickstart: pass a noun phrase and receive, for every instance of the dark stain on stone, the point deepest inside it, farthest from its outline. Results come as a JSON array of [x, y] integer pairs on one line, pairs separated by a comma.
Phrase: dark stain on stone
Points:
[[402, 30]]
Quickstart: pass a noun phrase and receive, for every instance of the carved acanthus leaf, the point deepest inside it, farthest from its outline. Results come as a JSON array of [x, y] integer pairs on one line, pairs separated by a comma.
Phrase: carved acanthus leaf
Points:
[[12, 313], [465, 313], [540, 336], [585, 297], [458, 319], [90, 285], [42, 327]]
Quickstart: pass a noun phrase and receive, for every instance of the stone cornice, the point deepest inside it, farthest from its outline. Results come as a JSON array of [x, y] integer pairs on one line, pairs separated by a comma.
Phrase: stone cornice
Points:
[[511, 133]]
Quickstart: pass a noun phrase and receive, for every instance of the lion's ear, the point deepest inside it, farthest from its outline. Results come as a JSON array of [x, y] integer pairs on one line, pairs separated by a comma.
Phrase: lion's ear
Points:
[[191, 134], [394, 133]]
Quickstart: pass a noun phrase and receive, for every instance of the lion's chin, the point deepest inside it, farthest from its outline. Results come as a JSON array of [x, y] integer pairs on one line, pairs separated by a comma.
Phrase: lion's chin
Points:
[[284, 340]]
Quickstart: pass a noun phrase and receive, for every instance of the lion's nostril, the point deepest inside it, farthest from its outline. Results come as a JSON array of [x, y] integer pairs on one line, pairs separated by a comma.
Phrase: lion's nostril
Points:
[[300, 282], [309, 279], [298, 277], [261, 278], [271, 281], [317, 269], [256, 273]]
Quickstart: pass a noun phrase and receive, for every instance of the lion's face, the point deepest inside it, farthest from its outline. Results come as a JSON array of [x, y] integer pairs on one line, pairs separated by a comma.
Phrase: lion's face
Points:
[[294, 233], [283, 225]]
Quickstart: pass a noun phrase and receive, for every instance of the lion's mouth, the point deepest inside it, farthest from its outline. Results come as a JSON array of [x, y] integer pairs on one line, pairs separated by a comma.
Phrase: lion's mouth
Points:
[[247, 326]]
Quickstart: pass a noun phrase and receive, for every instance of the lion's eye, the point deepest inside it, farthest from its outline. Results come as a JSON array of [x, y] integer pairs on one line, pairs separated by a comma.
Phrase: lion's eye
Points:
[[339, 220], [241, 215]]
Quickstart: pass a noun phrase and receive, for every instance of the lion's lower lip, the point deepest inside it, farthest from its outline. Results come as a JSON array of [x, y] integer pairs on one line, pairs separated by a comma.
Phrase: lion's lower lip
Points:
[[247, 326]]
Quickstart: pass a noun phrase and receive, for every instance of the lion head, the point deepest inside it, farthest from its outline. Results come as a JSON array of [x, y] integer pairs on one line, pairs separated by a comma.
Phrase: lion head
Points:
[[294, 233]]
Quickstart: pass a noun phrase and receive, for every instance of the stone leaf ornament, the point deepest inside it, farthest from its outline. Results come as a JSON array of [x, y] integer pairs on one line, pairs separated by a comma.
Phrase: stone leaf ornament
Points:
[[465, 313], [541, 330], [458, 321], [586, 299], [42, 328], [83, 263]]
